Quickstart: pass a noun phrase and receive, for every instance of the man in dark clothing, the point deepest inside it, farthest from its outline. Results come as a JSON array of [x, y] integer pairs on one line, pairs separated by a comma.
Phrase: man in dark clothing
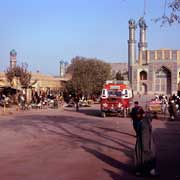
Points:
[[136, 115], [172, 110], [145, 153]]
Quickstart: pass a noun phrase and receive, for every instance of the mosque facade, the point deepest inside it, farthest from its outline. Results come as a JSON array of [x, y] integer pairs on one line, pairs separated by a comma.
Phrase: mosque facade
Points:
[[151, 71]]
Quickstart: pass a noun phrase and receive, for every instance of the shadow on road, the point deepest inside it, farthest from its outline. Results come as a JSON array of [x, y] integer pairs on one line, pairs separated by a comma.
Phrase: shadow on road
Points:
[[114, 130], [126, 168], [69, 127], [86, 111], [107, 159], [99, 137], [90, 112], [113, 175], [168, 148], [86, 132]]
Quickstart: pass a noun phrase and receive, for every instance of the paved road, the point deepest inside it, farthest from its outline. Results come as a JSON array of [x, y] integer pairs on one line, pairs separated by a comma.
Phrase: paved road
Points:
[[69, 145]]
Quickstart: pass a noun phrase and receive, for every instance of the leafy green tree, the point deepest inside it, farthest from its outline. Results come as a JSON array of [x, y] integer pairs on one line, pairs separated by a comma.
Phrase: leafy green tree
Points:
[[88, 75]]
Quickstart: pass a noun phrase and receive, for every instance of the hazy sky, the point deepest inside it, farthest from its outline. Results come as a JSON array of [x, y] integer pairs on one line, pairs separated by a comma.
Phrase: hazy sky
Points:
[[45, 31]]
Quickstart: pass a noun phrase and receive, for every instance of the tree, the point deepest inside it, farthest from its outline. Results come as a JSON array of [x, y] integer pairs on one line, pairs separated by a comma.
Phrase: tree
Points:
[[88, 75], [121, 76], [19, 72], [173, 15], [67, 88]]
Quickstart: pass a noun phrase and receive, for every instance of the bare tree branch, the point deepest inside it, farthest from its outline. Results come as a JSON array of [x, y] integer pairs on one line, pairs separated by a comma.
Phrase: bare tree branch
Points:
[[20, 72], [173, 16]]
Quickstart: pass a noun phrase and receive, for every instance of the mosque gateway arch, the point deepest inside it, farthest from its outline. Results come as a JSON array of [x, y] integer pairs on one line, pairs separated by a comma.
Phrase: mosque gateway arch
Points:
[[152, 71], [163, 80]]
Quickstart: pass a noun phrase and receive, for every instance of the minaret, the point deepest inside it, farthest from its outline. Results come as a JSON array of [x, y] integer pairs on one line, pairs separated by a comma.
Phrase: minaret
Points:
[[13, 55], [142, 45], [66, 66], [131, 48], [62, 68]]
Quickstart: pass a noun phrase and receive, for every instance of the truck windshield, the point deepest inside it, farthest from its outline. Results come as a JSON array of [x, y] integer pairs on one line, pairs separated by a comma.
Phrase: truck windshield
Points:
[[114, 93]]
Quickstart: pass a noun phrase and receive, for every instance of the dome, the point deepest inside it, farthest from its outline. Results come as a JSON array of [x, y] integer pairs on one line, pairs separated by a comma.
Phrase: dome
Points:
[[132, 23], [13, 52], [142, 23], [61, 62]]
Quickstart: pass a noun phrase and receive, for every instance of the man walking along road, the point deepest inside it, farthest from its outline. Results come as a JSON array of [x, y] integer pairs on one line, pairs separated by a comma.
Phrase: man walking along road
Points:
[[76, 101], [136, 115], [145, 153], [172, 110]]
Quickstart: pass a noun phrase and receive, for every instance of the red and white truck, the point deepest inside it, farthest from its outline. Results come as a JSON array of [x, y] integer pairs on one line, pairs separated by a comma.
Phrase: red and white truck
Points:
[[116, 97]]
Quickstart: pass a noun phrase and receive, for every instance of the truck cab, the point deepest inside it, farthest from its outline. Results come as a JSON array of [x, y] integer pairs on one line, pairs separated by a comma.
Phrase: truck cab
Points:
[[115, 98]]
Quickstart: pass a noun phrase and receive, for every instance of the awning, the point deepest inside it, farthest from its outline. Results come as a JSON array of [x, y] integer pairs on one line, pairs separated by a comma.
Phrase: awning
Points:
[[8, 89]]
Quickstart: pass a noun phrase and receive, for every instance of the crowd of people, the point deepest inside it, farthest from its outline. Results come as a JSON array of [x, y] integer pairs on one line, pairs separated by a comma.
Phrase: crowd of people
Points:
[[37, 101], [43, 100], [169, 104]]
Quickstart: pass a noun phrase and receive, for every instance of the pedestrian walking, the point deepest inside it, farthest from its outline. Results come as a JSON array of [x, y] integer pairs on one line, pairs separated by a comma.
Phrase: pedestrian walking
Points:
[[145, 153], [164, 105], [172, 110], [136, 115], [76, 101], [22, 102]]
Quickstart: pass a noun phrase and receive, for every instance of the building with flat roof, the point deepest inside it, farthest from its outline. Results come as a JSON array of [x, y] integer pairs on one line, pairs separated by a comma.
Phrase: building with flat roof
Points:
[[39, 81]]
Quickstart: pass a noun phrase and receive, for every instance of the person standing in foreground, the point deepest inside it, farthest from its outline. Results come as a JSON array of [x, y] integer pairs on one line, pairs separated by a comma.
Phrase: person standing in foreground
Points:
[[145, 153], [136, 115]]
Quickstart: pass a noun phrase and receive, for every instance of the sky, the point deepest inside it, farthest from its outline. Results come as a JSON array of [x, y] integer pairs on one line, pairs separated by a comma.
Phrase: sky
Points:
[[43, 32]]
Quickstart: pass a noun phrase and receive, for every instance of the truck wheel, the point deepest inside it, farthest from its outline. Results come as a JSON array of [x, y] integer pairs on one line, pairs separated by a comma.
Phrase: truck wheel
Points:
[[103, 114]]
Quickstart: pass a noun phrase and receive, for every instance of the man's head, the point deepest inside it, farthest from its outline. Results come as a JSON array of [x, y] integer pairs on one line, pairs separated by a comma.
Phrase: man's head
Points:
[[136, 103]]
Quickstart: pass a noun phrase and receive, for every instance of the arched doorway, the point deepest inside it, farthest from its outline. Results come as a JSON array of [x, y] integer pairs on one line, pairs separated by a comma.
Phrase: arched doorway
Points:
[[143, 75], [163, 81]]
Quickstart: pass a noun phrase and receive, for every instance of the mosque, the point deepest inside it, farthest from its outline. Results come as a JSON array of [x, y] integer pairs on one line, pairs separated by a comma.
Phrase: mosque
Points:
[[152, 71]]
